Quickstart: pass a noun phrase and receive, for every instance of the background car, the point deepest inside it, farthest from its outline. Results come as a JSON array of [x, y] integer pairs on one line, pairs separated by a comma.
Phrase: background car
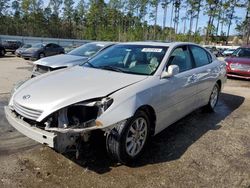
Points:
[[130, 92], [214, 51], [238, 65], [12, 45], [20, 50], [228, 52], [74, 57], [41, 50], [2, 50]]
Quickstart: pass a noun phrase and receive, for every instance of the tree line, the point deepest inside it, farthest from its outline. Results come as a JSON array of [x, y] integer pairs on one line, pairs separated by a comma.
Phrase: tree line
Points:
[[124, 20]]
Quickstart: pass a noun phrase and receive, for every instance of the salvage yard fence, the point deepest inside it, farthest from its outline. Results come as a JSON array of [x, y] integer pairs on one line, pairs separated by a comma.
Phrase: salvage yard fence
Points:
[[33, 40]]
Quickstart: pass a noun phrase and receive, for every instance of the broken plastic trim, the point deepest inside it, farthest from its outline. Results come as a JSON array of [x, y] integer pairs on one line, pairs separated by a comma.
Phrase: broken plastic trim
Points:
[[78, 117], [84, 130]]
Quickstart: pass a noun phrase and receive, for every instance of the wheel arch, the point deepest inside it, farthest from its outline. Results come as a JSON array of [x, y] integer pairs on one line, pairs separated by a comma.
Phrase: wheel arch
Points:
[[149, 110], [219, 83]]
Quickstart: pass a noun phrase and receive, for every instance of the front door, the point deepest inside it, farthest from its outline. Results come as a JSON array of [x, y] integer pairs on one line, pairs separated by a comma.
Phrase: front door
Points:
[[177, 92]]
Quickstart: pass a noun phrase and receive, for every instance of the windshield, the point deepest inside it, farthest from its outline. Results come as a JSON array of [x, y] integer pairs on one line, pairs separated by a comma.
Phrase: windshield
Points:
[[27, 46], [38, 45], [133, 59], [242, 52], [86, 50]]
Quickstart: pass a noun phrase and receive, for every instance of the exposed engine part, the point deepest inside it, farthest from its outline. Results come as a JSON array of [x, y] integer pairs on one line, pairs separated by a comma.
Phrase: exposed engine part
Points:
[[63, 118], [78, 117]]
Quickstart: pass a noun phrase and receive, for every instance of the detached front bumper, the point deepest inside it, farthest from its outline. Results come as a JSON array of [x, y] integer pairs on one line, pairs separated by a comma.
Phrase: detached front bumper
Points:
[[39, 135]]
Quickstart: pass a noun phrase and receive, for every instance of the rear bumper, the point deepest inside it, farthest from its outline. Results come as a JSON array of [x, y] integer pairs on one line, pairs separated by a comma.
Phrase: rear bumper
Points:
[[39, 135], [10, 50], [244, 74], [238, 76]]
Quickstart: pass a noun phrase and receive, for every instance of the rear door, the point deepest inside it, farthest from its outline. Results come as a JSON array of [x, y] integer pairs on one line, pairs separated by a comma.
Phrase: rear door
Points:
[[177, 92], [55, 49], [206, 73], [48, 50]]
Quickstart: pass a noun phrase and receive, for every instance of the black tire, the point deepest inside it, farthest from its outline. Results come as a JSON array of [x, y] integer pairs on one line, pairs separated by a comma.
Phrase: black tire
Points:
[[41, 55], [2, 52], [213, 99], [117, 141]]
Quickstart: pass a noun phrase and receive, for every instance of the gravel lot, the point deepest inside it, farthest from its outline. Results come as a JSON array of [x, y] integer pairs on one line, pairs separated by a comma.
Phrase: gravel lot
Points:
[[201, 150]]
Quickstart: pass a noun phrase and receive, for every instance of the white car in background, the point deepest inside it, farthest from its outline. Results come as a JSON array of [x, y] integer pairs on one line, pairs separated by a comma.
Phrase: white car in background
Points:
[[130, 91], [74, 57], [228, 52]]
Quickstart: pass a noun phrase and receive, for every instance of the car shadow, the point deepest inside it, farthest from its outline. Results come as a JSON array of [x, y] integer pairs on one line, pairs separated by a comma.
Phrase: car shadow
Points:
[[238, 79], [168, 145], [29, 68]]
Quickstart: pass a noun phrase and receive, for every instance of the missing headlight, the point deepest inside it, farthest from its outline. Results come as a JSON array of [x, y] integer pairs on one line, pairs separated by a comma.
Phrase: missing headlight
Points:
[[78, 115]]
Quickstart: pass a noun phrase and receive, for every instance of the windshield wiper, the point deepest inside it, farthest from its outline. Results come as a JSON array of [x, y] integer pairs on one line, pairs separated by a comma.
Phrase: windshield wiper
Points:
[[89, 64], [107, 67]]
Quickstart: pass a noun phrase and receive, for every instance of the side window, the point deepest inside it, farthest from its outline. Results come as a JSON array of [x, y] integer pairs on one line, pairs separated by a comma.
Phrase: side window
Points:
[[55, 46], [210, 59], [49, 45], [200, 56], [181, 57]]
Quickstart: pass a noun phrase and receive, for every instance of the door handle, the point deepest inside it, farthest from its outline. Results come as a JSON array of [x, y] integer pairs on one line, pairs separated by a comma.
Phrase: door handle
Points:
[[194, 77]]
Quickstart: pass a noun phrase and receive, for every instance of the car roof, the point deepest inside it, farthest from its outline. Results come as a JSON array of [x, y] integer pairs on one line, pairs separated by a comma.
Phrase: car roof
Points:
[[245, 46], [153, 43], [103, 43]]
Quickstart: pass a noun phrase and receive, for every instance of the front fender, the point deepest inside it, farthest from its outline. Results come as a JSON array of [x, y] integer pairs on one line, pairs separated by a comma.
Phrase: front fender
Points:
[[124, 109]]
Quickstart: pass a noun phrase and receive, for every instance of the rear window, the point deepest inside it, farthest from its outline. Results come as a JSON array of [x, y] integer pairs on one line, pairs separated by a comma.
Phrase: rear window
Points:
[[242, 52], [201, 57]]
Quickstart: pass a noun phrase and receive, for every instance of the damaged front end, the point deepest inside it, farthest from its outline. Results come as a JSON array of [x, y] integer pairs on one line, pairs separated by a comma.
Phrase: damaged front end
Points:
[[74, 123], [70, 125], [79, 117]]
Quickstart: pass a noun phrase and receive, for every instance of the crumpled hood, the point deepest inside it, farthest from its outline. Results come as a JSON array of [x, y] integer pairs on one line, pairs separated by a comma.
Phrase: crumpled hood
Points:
[[62, 60], [240, 60], [61, 88]]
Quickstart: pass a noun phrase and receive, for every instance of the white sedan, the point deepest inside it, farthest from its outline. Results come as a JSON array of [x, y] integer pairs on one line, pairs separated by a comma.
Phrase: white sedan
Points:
[[130, 91]]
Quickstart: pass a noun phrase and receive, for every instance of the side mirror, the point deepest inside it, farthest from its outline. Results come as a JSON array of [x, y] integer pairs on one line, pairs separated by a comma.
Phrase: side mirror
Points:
[[172, 71]]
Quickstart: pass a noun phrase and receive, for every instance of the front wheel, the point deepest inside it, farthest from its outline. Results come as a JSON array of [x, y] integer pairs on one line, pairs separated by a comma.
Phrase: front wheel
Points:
[[126, 142], [41, 55], [213, 99]]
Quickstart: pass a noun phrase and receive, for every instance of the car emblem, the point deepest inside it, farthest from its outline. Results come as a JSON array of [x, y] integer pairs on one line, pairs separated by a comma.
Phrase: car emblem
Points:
[[26, 97]]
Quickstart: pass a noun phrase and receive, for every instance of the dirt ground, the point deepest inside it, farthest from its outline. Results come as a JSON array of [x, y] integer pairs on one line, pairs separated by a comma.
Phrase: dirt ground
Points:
[[201, 150]]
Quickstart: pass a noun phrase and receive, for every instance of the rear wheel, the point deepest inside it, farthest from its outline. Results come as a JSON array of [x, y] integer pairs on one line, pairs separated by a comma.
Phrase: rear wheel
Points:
[[213, 98], [126, 142], [2, 52]]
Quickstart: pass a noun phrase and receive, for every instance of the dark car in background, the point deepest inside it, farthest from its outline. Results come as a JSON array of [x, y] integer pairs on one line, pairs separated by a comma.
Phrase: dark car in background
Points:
[[238, 64], [74, 57], [42, 50], [2, 50], [214, 51], [20, 50], [12, 45]]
